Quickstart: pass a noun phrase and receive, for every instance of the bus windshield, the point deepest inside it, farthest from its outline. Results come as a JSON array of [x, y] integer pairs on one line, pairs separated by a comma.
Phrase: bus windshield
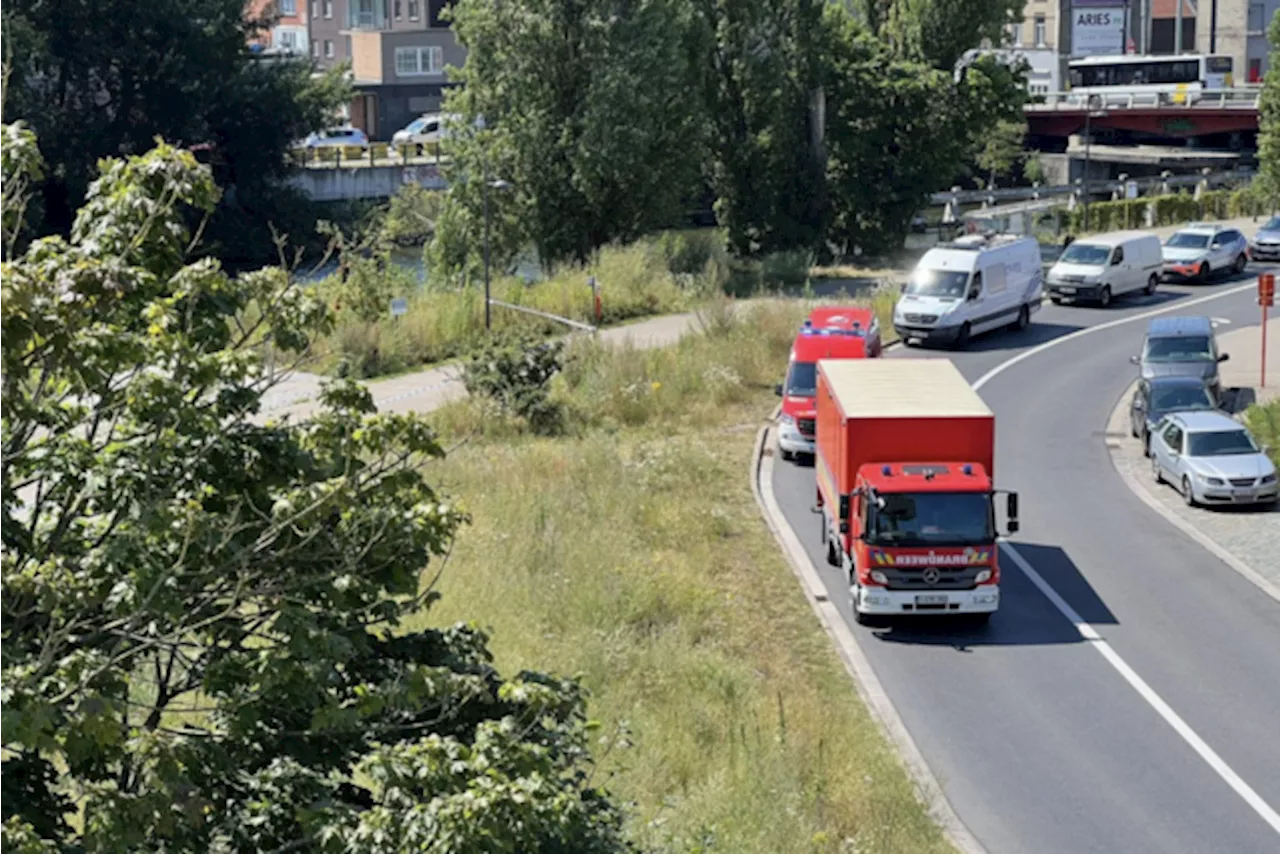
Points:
[[932, 519]]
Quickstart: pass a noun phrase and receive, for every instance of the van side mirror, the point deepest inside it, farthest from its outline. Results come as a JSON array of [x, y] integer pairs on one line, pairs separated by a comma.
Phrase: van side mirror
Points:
[[778, 389], [1222, 357], [1011, 507]]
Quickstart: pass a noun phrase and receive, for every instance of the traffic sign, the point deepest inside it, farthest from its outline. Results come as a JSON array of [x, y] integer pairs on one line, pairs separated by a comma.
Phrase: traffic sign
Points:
[[1267, 289], [399, 306]]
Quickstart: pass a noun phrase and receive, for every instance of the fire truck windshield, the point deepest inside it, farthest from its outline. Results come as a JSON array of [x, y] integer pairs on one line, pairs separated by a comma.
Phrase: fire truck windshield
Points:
[[932, 519]]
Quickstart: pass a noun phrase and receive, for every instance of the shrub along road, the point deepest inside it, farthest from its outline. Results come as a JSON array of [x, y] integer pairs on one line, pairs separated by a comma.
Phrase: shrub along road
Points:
[[1047, 737]]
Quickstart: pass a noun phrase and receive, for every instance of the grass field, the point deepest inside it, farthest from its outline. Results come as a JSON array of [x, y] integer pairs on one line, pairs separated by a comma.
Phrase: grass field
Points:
[[631, 552]]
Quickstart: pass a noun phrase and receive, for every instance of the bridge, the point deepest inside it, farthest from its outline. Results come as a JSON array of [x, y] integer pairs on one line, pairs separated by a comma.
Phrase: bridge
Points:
[[1188, 116]]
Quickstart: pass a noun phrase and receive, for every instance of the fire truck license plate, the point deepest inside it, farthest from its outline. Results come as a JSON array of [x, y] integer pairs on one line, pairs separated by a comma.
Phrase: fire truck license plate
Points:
[[931, 599]]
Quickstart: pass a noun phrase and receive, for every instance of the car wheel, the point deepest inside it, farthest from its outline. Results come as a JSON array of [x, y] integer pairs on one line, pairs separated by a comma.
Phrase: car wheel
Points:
[[1104, 296], [1055, 300], [1024, 318], [963, 338], [1188, 496], [833, 552], [1152, 284], [1156, 474], [1240, 263], [1205, 270], [1146, 443], [1133, 430]]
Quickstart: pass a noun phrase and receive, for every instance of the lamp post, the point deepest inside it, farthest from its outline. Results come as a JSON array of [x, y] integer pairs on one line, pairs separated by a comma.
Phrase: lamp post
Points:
[[1089, 113], [497, 185]]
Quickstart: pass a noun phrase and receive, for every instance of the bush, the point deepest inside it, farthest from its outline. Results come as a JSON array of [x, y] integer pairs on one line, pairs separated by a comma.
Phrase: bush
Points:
[[1215, 204], [516, 373], [1174, 208], [410, 219], [1263, 420]]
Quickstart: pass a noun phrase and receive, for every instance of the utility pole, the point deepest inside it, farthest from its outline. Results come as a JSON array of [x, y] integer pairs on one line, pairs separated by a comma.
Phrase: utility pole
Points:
[[1177, 29], [487, 307], [1213, 26]]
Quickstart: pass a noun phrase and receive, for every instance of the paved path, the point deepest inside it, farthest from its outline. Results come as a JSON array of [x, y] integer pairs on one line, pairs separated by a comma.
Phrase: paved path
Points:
[[1124, 698]]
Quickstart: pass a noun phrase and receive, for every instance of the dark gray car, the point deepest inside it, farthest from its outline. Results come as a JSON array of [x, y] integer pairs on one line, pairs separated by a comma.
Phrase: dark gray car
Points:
[[1157, 397], [1182, 347]]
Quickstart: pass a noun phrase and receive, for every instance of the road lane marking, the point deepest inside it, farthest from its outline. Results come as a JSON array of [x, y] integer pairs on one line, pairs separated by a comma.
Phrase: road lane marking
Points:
[[1181, 727], [1090, 634]]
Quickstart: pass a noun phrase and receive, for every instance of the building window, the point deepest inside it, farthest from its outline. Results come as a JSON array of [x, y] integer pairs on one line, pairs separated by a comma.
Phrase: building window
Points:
[[419, 61], [289, 40], [315, 49], [1257, 18], [328, 8], [1040, 31], [328, 49], [311, 8], [288, 7], [1015, 34], [1255, 70], [397, 9], [413, 10]]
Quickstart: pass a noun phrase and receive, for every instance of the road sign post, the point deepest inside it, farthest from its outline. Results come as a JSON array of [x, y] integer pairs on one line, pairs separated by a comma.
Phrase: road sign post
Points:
[[595, 298], [1266, 299]]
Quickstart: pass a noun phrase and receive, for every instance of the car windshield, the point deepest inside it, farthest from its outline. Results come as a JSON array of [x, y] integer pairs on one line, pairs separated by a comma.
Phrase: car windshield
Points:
[[931, 519], [1187, 240], [802, 379], [1221, 443], [1273, 224], [1181, 397], [1086, 253], [1184, 348], [938, 283], [416, 125]]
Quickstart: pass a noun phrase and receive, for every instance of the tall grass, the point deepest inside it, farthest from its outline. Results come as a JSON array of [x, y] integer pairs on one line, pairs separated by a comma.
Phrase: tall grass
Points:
[[631, 553], [1263, 420]]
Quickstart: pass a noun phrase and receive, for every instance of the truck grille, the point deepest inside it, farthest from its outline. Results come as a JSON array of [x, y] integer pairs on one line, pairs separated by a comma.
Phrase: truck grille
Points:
[[1242, 481], [921, 318], [805, 425], [950, 578]]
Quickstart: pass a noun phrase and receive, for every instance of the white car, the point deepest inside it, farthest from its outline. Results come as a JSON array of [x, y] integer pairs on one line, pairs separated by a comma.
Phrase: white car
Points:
[[329, 137], [1104, 266], [1201, 250], [1211, 459], [427, 129]]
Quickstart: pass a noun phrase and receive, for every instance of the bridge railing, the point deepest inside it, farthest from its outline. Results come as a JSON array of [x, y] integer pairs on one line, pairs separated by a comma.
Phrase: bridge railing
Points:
[[1240, 97], [372, 154], [1147, 185]]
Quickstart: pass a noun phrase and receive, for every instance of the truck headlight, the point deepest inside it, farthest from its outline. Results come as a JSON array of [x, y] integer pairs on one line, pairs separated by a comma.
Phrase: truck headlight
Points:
[[879, 577], [983, 576]]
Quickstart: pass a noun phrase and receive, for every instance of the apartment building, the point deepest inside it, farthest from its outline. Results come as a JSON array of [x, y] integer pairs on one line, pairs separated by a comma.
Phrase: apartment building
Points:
[[288, 33], [397, 50], [1238, 29]]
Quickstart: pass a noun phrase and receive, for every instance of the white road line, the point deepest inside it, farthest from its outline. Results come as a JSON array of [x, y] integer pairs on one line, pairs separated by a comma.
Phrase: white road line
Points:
[[1220, 321], [1090, 634]]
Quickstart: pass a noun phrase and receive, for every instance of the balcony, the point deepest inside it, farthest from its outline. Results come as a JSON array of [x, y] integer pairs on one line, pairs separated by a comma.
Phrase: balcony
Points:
[[367, 15]]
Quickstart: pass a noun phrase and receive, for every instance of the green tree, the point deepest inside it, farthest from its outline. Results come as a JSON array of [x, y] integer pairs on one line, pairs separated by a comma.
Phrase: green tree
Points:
[[1002, 149], [763, 76], [588, 115], [939, 32], [204, 638], [1268, 180], [101, 78]]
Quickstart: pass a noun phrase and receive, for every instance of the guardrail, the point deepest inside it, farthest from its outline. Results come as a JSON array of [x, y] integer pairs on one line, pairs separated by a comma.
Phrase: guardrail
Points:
[[575, 324], [372, 154], [1236, 98], [1158, 183]]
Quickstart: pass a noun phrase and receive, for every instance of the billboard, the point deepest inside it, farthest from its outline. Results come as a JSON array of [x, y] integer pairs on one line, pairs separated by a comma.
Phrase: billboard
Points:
[[1097, 28]]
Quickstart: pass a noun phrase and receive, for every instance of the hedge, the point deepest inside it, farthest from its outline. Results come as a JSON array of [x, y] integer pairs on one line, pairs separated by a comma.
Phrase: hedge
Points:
[[1169, 209]]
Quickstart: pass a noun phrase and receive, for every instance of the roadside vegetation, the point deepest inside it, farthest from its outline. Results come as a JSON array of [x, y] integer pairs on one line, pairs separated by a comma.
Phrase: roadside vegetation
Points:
[[627, 547], [1263, 421]]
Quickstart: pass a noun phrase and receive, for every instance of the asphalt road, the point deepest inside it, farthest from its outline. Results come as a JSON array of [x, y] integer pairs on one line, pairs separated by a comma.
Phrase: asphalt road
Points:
[[1041, 740]]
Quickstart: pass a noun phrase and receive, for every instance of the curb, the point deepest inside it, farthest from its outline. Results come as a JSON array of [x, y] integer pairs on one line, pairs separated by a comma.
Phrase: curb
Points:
[[856, 664], [1217, 550]]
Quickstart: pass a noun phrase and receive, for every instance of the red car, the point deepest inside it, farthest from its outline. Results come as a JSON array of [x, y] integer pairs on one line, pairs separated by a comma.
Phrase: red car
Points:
[[830, 332]]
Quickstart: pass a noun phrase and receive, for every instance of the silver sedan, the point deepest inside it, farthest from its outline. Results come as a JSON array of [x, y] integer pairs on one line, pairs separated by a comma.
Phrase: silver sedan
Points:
[[1211, 459]]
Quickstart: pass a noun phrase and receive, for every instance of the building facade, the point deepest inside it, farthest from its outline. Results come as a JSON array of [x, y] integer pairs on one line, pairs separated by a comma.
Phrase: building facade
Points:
[[397, 50], [1238, 30], [288, 32]]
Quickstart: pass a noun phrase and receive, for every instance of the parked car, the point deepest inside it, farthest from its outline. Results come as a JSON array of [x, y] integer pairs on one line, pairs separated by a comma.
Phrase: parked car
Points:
[[329, 137], [1265, 245], [1159, 396], [1198, 251], [1105, 266], [427, 129], [1182, 346], [1211, 459]]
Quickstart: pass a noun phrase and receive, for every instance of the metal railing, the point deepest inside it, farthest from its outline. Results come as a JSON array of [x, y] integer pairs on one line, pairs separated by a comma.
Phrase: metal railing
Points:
[[371, 154], [1146, 185], [1240, 97]]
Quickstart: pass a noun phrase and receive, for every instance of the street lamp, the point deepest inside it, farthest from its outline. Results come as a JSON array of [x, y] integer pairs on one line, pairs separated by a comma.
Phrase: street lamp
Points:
[[1089, 113], [498, 184]]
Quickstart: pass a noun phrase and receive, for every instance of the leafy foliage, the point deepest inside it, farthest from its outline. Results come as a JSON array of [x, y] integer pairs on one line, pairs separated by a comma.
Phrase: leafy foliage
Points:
[[203, 611], [516, 373], [1269, 121], [1002, 150], [105, 78], [587, 113]]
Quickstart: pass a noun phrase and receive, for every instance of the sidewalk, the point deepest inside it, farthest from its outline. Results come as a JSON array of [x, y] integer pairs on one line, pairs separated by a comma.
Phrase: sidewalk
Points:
[[1243, 371]]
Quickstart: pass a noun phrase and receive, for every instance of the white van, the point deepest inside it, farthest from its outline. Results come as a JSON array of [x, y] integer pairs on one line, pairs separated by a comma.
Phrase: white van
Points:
[[1103, 266], [972, 285]]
